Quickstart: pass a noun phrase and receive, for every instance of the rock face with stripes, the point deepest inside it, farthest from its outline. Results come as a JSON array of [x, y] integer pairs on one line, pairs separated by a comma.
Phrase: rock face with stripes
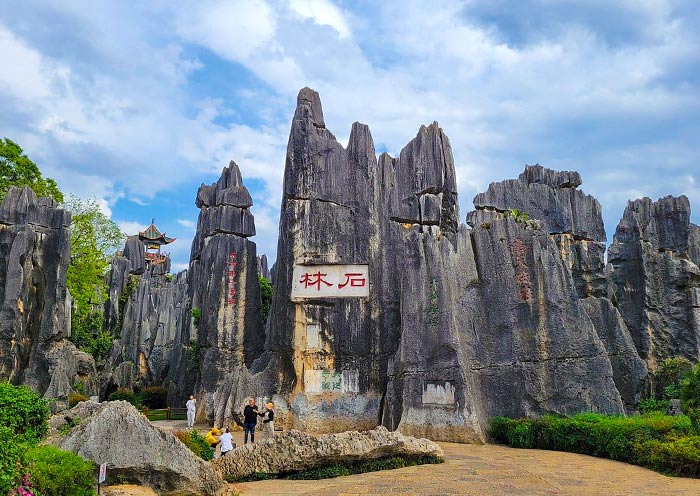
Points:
[[574, 224], [656, 275], [456, 325], [34, 302], [224, 329]]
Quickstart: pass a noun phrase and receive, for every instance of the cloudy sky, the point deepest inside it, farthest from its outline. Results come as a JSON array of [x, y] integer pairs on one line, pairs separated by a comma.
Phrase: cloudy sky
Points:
[[137, 105]]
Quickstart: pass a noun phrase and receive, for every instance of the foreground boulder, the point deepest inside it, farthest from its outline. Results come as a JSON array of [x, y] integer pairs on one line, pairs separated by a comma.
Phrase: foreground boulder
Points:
[[292, 451], [117, 434]]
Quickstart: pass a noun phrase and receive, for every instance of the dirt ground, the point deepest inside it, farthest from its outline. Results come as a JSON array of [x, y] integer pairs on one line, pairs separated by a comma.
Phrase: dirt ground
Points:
[[473, 470]]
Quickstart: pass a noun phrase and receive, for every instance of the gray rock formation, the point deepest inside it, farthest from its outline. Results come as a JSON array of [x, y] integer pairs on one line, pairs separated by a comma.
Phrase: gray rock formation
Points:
[[429, 355], [116, 433], [226, 331], [656, 278], [263, 269], [34, 256], [293, 451], [574, 222], [145, 311]]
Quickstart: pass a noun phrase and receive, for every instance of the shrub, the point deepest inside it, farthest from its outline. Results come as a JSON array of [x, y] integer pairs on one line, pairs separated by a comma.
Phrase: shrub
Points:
[[154, 396], [75, 398], [10, 460], [125, 395], [656, 441], [23, 411], [59, 473], [79, 387], [196, 316], [196, 443], [265, 297], [651, 405], [690, 396], [667, 379]]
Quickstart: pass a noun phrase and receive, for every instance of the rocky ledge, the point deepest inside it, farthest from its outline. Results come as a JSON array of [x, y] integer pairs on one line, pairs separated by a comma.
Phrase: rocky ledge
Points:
[[292, 451]]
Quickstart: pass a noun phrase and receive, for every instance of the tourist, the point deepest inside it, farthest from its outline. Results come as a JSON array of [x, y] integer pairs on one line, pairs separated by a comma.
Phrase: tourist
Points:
[[212, 437], [269, 421], [191, 409], [226, 441], [250, 420]]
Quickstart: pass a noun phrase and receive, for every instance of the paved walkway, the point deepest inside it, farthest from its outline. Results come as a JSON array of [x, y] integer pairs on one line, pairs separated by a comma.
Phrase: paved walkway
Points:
[[493, 470]]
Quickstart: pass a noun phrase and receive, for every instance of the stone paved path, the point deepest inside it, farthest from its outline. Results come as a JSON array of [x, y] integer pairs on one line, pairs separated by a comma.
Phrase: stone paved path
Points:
[[493, 470]]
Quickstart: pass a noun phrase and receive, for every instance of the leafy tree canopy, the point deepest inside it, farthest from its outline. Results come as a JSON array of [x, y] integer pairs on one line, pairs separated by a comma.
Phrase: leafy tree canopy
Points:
[[94, 239], [16, 169]]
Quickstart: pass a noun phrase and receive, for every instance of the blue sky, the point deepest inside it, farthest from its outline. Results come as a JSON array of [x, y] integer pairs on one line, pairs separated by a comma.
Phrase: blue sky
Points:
[[137, 105]]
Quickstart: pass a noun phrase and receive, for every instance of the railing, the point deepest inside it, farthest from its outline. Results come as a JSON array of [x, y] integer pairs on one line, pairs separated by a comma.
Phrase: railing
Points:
[[165, 413]]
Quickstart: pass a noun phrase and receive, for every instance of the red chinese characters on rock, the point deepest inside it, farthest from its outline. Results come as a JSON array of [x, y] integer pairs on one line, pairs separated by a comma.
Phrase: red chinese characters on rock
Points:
[[522, 274], [231, 289], [309, 280]]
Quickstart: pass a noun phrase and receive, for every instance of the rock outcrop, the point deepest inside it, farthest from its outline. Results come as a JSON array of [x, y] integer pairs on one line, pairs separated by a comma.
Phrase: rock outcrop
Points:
[[226, 331], [293, 451], [117, 434], [34, 302], [145, 312], [574, 222], [656, 276]]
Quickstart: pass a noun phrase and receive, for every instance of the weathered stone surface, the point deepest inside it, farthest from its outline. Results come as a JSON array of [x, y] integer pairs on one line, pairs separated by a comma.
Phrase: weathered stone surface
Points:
[[537, 351], [134, 251], [551, 197], [540, 189], [629, 370], [117, 434], [34, 256], [263, 269], [294, 450], [220, 328], [431, 390], [656, 280]]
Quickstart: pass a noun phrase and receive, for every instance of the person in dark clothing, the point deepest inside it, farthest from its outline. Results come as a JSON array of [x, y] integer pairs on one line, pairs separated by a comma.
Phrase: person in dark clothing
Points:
[[250, 419]]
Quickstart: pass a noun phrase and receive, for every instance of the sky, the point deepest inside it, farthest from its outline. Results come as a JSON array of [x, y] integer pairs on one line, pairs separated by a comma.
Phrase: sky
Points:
[[138, 103]]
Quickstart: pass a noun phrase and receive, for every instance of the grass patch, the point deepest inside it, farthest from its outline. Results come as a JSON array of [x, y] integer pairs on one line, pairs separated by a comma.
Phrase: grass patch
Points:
[[338, 470], [663, 443]]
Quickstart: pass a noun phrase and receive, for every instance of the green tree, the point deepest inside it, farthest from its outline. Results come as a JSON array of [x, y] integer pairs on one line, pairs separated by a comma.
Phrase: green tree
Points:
[[265, 296], [16, 169], [690, 397], [94, 240]]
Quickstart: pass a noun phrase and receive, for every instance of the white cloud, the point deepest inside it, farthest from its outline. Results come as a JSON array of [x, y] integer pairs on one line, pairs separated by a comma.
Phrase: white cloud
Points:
[[186, 223], [130, 227], [322, 12]]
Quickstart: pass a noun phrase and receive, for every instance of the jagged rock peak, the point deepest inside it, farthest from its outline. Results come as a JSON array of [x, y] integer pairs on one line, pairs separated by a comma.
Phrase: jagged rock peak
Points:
[[310, 99], [549, 196], [664, 223], [556, 179], [21, 206], [230, 176], [228, 190]]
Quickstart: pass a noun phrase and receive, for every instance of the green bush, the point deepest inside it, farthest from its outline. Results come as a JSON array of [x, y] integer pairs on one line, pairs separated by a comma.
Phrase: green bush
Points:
[[660, 442], [10, 460], [154, 397], [196, 443], [690, 396], [125, 395], [667, 378], [265, 297], [59, 473], [23, 411], [651, 405], [75, 398]]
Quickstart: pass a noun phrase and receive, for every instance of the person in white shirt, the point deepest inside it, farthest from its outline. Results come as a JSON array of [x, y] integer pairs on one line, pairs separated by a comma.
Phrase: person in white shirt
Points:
[[226, 441], [191, 409]]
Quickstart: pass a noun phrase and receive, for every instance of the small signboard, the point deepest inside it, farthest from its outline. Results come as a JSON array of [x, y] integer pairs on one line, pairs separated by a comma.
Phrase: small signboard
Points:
[[103, 473], [330, 281]]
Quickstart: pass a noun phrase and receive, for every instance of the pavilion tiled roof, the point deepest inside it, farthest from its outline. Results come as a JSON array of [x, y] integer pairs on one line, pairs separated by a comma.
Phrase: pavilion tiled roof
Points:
[[152, 234]]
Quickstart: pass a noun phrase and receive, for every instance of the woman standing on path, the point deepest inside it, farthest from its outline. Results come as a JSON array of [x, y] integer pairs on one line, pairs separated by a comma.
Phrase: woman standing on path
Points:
[[269, 421], [191, 409]]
